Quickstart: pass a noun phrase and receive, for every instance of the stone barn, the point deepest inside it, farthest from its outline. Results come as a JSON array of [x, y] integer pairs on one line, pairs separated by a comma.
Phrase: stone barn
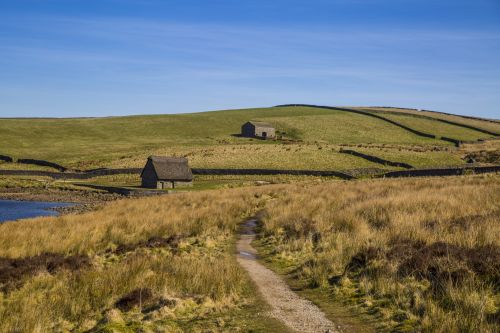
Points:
[[166, 172], [258, 129]]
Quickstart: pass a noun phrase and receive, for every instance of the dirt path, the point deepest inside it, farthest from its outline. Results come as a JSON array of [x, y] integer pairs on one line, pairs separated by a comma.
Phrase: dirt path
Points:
[[295, 312]]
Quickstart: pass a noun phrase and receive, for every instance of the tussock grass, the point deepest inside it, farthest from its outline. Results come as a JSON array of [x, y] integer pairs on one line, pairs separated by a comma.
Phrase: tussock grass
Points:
[[126, 222], [484, 152], [78, 300], [421, 253], [197, 279]]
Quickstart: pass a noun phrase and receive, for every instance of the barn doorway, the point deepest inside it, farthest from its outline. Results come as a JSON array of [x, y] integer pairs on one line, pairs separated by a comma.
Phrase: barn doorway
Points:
[[264, 135]]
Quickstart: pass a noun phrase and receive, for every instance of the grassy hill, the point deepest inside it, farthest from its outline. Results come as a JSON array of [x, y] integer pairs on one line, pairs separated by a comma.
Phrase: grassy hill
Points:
[[437, 128], [209, 139], [484, 124]]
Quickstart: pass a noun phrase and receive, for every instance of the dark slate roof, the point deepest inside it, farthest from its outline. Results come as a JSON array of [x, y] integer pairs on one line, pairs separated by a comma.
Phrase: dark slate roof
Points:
[[171, 168], [261, 124]]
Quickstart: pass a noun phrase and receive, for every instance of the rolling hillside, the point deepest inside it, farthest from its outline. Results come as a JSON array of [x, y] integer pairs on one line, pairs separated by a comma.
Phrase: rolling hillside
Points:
[[437, 128], [482, 124], [210, 139]]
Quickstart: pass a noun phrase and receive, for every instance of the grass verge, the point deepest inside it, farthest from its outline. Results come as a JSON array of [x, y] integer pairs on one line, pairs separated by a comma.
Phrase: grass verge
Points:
[[419, 254]]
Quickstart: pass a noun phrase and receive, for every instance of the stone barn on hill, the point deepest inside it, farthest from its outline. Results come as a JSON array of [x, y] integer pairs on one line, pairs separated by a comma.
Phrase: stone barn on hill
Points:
[[258, 129], [166, 172]]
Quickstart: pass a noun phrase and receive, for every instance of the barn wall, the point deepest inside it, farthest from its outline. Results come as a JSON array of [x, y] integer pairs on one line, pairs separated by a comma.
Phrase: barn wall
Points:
[[182, 184], [271, 133], [164, 184], [149, 179], [248, 130]]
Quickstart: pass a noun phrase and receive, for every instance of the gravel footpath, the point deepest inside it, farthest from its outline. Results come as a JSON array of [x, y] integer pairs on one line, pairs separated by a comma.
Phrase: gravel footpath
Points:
[[295, 312]]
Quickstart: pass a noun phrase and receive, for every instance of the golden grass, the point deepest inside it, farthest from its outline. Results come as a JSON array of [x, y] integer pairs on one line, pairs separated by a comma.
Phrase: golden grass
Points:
[[486, 145], [126, 222], [49, 303], [357, 234], [309, 156], [352, 239], [201, 274], [257, 156]]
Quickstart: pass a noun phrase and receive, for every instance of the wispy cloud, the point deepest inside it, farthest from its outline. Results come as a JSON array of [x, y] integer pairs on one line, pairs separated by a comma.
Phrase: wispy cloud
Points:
[[153, 42], [143, 57]]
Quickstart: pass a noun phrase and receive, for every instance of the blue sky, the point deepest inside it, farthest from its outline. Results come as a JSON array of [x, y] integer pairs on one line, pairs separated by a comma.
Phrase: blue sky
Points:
[[68, 58]]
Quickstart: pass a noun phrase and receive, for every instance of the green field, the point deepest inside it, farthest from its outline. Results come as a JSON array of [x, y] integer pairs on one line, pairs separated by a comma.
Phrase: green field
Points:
[[344, 127], [437, 128], [210, 140], [492, 126]]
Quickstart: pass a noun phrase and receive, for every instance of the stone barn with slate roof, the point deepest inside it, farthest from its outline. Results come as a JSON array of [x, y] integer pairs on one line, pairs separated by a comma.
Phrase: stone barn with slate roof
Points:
[[258, 129], [166, 172]]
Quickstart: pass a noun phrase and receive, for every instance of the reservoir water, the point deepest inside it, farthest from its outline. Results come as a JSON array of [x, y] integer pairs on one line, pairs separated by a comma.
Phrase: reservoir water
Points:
[[11, 210]]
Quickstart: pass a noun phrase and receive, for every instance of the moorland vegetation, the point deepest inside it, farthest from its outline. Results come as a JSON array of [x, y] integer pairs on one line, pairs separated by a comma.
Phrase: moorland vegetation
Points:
[[416, 254]]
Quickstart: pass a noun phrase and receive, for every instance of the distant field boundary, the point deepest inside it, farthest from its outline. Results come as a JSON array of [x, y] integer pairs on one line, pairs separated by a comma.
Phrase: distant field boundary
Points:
[[265, 172], [261, 172], [478, 129], [495, 121], [442, 172], [376, 159], [71, 175], [220, 172], [124, 190], [33, 162], [365, 113], [456, 142], [6, 158], [41, 163]]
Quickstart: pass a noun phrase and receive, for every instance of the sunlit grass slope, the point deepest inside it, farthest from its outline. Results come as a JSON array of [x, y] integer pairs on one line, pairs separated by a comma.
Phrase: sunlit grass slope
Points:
[[100, 141], [344, 127], [437, 128], [493, 126]]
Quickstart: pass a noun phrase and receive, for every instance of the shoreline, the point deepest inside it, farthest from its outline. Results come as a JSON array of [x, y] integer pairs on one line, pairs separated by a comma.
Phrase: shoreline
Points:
[[82, 201], [54, 195]]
